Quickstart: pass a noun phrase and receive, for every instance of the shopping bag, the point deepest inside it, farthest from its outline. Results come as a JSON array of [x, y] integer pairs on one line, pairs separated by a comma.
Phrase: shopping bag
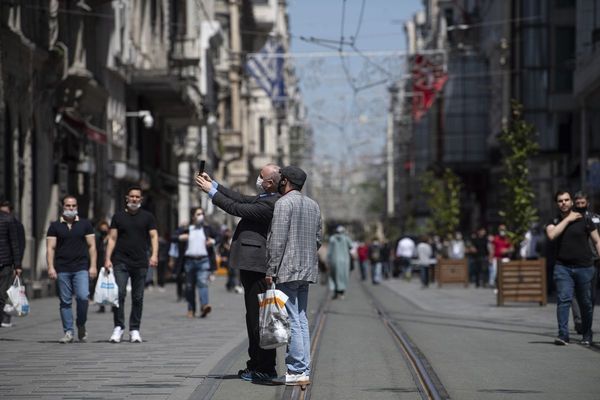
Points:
[[19, 305], [107, 291], [274, 325]]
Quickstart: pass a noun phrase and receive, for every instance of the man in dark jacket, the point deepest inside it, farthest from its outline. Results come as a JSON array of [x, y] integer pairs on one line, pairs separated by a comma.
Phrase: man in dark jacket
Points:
[[6, 207], [10, 258], [248, 254]]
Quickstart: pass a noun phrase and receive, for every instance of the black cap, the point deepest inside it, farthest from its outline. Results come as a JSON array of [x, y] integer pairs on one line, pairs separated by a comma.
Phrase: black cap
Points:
[[293, 174]]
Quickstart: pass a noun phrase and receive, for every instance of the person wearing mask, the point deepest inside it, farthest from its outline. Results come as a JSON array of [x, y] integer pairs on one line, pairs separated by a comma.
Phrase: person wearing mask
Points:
[[10, 257], [363, 260], [338, 258], [199, 262], [131, 230], [424, 259], [481, 257], [405, 252], [71, 256], [375, 260], [6, 207], [581, 206], [292, 262], [574, 269], [248, 254]]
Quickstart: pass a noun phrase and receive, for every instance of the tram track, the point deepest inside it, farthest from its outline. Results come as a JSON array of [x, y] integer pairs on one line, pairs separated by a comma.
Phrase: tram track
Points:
[[426, 381]]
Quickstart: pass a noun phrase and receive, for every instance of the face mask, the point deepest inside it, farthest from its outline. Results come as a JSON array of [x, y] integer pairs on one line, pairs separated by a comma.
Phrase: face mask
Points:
[[502, 233], [199, 219], [133, 206], [70, 213], [103, 233], [580, 210], [259, 187], [281, 187]]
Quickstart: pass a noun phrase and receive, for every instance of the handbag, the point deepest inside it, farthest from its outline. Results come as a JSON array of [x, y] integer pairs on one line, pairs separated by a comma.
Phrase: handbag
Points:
[[107, 291], [19, 305], [274, 324]]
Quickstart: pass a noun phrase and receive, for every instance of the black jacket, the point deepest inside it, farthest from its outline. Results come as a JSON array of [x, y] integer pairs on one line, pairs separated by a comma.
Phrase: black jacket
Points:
[[249, 242]]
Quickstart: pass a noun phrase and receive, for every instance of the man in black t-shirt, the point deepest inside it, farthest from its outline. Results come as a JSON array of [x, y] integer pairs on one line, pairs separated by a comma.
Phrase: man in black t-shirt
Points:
[[71, 257], [127, 255], [574, 268]]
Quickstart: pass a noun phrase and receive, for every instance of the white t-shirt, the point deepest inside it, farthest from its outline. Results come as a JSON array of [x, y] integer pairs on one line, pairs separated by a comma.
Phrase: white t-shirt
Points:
[[406, 248], [196, 242]]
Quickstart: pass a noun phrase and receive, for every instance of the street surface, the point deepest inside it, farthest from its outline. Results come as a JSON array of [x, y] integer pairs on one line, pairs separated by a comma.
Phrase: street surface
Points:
[[478, 350]]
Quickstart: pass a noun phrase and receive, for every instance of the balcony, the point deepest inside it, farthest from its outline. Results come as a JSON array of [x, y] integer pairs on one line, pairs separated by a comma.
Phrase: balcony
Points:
[[230, 144]]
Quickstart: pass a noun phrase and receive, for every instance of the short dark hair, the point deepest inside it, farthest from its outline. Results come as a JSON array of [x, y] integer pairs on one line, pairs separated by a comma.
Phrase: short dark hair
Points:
[[194, 209], [68, 196], [580, 194], [134, 187], [560, 192]]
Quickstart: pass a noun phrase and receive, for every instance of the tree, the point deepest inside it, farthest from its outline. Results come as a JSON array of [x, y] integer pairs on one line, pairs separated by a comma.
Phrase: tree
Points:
[[443, 195], [518, 145]]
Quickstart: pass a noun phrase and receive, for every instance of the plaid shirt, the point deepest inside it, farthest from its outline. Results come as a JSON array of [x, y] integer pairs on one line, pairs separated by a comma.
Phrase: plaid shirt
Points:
[[294, 238]]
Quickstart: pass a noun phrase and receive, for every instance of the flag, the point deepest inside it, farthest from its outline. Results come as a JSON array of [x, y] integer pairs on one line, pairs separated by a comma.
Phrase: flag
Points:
[[267, 69], [428, 77]]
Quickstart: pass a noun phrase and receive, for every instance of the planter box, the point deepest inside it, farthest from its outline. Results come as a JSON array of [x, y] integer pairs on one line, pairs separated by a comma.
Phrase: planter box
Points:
[[452, 271], [522, 281]]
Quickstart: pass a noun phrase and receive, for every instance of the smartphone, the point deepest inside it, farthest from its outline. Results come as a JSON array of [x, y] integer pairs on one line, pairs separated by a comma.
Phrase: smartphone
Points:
[[201, 166]]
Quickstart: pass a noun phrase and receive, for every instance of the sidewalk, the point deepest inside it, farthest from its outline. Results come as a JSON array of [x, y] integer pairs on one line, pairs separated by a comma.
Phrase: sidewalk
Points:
[[174, 359]]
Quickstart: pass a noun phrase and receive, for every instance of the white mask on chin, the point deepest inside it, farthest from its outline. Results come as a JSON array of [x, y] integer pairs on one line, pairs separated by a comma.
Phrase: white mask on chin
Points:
[[133, 206]]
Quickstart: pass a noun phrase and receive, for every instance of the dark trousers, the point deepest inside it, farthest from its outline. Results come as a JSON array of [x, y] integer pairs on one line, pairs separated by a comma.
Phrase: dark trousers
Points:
[[6, 280], [261, 360], [138, 278]]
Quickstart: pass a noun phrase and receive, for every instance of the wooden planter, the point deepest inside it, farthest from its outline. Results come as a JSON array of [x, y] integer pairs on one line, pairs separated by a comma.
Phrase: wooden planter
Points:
[[522, 281], [452, 271]]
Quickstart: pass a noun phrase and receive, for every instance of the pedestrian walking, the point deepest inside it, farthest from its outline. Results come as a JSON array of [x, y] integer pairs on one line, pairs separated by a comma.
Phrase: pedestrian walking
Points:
[[199, 262], [405, 252], [6, 207], [375, 251], [502, 250], [481, 257], [292, 260], [581, 205], [131, 230], [574, 269], [386, 251], [248, 254], [10, 257], [456, 247], [363, 260], [339, 259], [424, 259], [71, 256]]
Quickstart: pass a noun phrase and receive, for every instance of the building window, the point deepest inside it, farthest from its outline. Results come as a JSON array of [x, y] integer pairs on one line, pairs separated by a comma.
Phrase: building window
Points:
[[564, 59], [261, 135]]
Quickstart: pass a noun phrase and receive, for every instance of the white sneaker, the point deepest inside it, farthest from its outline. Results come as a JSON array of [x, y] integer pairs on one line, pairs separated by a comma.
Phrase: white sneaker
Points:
[[293, 379], [116, 335], [135, 337], [68, 338]]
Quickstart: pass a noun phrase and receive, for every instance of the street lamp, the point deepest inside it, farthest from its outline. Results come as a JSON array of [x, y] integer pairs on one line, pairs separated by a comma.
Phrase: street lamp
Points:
[[145, 115]]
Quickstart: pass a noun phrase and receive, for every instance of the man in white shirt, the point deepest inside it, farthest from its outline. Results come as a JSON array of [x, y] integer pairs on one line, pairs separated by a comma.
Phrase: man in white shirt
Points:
[[405, 252]]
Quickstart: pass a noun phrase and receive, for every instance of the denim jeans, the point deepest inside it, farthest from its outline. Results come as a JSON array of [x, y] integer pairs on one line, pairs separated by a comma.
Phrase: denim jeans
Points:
[[364, 267], [376, 272], [298, 349], [571, 280], [197, 272], [69, 284], [138, 277]]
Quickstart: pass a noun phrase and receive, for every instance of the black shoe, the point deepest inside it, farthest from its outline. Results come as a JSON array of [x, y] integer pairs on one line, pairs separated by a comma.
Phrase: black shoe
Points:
[[585, 342], [245, 374], [263, 378]]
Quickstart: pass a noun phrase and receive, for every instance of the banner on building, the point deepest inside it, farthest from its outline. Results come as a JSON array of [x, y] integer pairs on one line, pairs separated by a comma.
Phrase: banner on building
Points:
[[267, 69], [429, 76]]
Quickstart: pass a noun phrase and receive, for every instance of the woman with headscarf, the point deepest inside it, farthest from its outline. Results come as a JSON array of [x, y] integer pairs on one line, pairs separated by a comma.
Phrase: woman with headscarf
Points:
[[338, 258]]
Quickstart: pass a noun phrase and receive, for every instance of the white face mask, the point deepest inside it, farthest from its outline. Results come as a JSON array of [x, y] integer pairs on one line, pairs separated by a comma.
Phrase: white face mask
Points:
[[70, 213], [199, 219], [259, 187], [133, 206]]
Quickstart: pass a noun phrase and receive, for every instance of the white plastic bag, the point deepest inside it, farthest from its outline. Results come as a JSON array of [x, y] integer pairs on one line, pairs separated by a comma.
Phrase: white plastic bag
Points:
[[274, 323], [107, 291], [19, 305]]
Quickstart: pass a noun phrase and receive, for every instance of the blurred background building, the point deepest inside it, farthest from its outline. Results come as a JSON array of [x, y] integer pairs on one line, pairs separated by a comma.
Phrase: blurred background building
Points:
[[98, 95], [467, 60]]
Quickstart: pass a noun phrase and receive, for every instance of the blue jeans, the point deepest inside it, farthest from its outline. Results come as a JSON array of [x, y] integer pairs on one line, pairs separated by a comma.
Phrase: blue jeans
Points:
[[298, 349], [197, 272], [138, 276], [571, 280], [376, 272], [69, 284], [364, 267]]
